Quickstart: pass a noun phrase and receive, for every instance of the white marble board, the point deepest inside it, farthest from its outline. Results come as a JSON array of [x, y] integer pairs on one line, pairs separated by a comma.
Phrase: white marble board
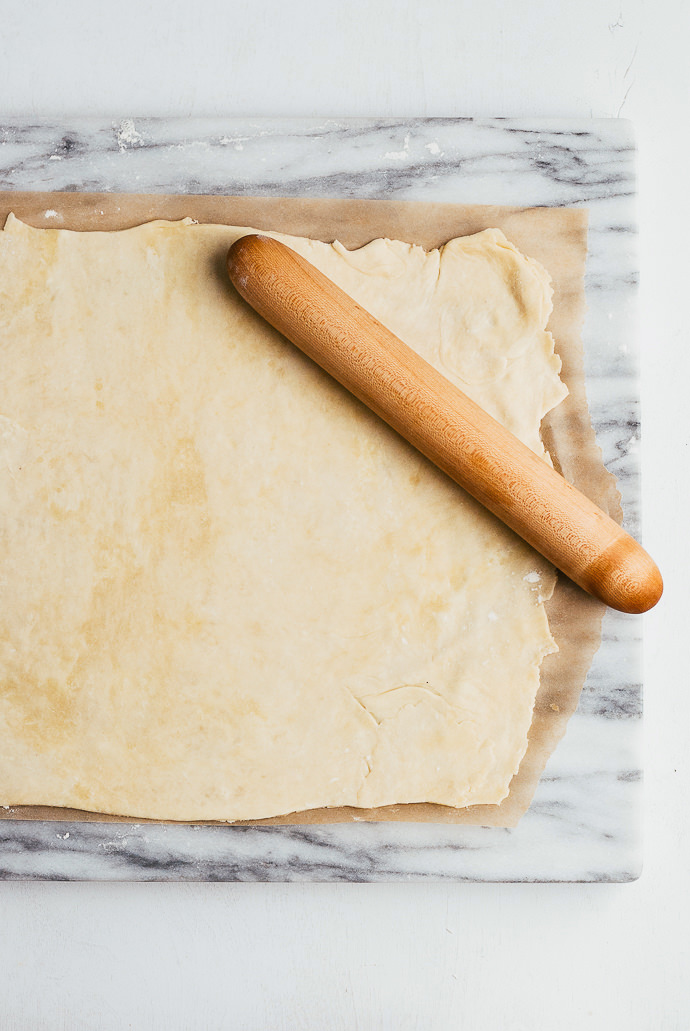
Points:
[[583, 823]]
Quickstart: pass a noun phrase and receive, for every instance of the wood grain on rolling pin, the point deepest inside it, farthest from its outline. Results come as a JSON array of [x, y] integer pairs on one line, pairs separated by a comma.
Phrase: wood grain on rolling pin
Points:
[[444, 424]]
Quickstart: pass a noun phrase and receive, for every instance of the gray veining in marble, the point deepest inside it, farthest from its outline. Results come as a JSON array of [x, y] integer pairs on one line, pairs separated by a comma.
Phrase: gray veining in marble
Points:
[[583, 823]]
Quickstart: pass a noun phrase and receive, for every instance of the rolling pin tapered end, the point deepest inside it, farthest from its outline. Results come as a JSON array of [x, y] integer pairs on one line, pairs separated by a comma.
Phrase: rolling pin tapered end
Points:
[[625, 577], [242, 258]]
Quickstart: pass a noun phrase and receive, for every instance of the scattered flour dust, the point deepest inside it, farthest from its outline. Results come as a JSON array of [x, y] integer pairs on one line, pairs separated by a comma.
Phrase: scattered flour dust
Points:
[[237, 141], [532, 578], [51, 213], [399, 155], [127, 135]]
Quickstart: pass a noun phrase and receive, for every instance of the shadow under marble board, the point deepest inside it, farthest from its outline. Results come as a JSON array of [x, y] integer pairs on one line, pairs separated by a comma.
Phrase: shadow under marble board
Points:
[[582, 824]]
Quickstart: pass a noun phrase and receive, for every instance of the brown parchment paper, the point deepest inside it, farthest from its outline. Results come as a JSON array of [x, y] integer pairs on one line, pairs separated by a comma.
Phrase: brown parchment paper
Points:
[[557, 237]]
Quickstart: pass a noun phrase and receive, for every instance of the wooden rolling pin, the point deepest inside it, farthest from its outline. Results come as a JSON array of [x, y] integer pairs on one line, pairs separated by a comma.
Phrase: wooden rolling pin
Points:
[[444, 424]]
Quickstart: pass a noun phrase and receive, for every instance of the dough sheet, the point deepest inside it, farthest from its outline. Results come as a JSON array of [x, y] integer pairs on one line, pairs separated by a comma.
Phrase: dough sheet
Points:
[[229, 591]]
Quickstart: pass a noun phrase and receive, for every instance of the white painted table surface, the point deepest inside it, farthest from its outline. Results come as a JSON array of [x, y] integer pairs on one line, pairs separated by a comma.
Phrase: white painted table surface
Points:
[[402, 956]]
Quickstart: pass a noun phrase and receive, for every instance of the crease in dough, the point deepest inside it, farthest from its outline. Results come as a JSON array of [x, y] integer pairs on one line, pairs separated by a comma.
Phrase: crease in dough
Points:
[[205, 539]]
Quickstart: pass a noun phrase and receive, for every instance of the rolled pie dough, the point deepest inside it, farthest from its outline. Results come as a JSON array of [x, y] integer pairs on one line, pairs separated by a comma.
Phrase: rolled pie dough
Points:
[[228, 590]]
